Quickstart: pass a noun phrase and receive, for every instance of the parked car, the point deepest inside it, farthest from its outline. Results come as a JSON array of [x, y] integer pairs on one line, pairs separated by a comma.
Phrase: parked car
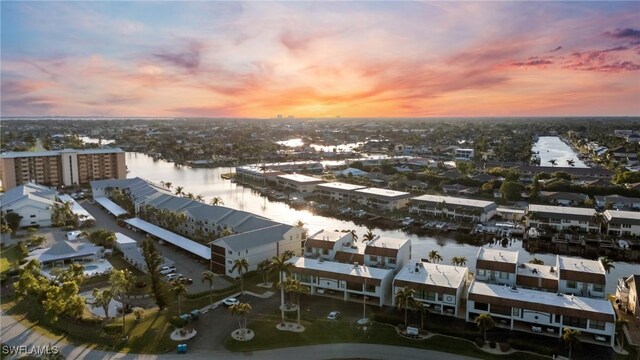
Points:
[[230, 301], [172, 276], [334, 315], [167, 270], [185, 280]]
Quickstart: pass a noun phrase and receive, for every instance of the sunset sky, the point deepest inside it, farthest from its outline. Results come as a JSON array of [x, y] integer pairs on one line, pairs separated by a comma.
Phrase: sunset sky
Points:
[[310, 59]]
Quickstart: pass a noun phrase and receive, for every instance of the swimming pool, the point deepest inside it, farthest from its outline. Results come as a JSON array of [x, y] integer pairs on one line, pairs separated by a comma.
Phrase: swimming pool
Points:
[[91, 267]]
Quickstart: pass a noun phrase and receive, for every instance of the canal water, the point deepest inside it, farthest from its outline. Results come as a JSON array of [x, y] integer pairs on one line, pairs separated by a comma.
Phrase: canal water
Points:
[[552, 147], [209, 184]]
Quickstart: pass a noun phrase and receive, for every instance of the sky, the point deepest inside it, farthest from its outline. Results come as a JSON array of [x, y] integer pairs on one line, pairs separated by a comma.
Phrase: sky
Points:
[[320, 59]]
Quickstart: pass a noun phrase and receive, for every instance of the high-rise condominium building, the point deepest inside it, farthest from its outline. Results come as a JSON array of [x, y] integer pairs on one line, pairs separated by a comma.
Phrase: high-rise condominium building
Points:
[[66, 167]]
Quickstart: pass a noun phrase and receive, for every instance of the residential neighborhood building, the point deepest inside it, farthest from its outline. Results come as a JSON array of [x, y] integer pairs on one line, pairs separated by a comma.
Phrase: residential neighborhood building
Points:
[[439, 287], [622, 223], [528, 172], [324, 244], [496, 266], [627, 294], [464, 154], [387, 253], [453, 207], [383, 199], [617, 202], [349, 282], [338, 191], [562, 218], [64, 253], [581, 277], [66, 167], [34, 203], [298, 182], [563, 198]]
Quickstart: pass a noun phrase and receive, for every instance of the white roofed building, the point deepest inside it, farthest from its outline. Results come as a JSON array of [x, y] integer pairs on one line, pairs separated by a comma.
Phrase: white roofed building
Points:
[[622, 223], [496, 266], [338, 191], [453, 207], [384, 199], [298, 182], [35, 203], [562, 218]]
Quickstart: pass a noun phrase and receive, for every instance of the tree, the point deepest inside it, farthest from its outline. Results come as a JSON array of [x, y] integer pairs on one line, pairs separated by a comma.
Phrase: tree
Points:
[[369, 236], [281, 265], [265, 267], [241, 265], [354, 236], [620, 324], [607, 264], [13, 221], [167, 184], [153, 259], [511, 190], [553, 162], [458, 261], [179, 190], [208, 276], [241, 309], [121, 282], [485, 322], [536, 261], [217, 201], [571, 337], [434, 256], [102, 298], [178, 289], [404, 300], [297, 288], [288, 254]]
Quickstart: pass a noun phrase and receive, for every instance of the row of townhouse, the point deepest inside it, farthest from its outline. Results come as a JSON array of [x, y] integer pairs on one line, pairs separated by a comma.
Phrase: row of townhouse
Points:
[[247, 235], [542, 299], [377, 198], [453, 207], [586, 220]]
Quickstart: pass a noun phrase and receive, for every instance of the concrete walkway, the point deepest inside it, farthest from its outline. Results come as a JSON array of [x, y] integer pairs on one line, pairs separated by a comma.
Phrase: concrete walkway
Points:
[[14, 333]]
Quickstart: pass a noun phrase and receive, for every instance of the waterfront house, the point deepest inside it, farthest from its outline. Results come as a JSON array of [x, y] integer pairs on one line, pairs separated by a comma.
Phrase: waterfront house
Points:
[[622, 223], [453, 207], [528, 172], [541, 312], [562, 218], [324, 244], [436, 286], [298, 182], [337, 191], [383, 199], [387, 253], [349, 282], [496, 266], [537, 277], [581, 277]]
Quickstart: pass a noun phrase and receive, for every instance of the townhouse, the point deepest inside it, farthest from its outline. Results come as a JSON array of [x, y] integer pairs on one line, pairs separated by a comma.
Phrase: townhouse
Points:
[[337, 191], [496, 266], [528, 172], [387, 253], [453, 207], [324, 244], [563, 198], [561, 218], [436, 286], [622, 223], [34, 203], [581, 277], [617, 202], [298, 182], [383, 199]]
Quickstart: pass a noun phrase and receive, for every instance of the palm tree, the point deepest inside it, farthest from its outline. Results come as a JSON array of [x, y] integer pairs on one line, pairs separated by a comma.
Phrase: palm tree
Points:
[[434, 256], [178, 289], [354, 236], [620, 324], [208, 276], [179, 190], [571, 162], [199, 198], [571, 337], [121, 282], [485, 322], [297, 288], [553, 162], [242, 265], [405, 300], [281, 265], [216, 201], [241, 309], [536, 261], [288, 254], [607, 264], [168, 184], [369, 236], [459, 260], [265, 267]]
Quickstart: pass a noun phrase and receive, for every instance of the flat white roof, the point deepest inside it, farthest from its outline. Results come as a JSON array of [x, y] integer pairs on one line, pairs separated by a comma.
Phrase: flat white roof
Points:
[[383, 192], [111, 207], [387, 242], [325, 235], [578, 264], [567, 210], [124, 239], [299, 178], [175, 239], [433, 274], [454, 200], [510, 210], [504, 256], [619, 214], [341, 186], [542, 297], [540, 271], [339, 268]]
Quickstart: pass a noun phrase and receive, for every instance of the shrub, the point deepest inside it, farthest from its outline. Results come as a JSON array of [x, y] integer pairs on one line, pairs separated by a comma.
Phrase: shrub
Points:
[[479, 342], [387, 319], [113, 329], [177, 322], [504, 347], [492, 344]]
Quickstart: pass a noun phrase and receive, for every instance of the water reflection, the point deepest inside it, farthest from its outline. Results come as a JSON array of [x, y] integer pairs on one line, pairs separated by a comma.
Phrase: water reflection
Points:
[[552, 148]]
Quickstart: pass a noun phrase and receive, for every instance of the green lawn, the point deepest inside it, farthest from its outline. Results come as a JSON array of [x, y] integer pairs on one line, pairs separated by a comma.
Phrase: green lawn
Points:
[[327, 332], [8, 255]]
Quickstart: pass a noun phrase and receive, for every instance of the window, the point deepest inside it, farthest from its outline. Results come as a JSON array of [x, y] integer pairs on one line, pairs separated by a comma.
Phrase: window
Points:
[[305, 278], [373, 258], [325, 251], [32, 216], [503, 275], [598, 288], [598, 325], [516, 311], [230, 252], [626, 226], [370, 288], [481, 306], [575, 322], [482, 272], [391, 261], [309, 249], [229, 262], [246, 251], [431, 295], [572, 285]]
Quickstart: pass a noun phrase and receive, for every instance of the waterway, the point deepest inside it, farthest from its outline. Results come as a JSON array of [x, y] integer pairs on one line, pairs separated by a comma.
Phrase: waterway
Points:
[[340, 148], [209, 184], [552, 147]]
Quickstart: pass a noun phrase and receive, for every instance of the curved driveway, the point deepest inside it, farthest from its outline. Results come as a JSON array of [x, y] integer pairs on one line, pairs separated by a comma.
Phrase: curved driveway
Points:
[[14, 333]]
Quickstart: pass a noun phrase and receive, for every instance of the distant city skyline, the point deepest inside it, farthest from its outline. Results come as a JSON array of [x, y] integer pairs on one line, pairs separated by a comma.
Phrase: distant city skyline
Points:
[[320, 59]]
